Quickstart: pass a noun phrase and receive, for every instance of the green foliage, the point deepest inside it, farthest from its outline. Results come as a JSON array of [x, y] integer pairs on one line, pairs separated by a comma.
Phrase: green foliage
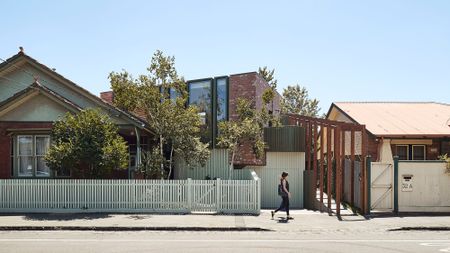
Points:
[[446, 158], [125, 92], [151, 162], [176, 126], [248, 129], [296, 100], [269, 76], [88, 144], [268, 97]]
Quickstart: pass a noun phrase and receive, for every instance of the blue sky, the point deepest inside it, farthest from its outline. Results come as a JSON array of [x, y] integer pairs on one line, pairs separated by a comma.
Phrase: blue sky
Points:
[[340, 50]]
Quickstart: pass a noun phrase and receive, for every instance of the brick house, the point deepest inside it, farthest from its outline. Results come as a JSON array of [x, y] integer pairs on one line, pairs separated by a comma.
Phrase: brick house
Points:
[[216, 98], [410, 130], [32, 97]]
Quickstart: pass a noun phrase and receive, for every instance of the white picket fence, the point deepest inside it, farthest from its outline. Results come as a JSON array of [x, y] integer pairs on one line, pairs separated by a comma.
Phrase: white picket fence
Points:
[[157, 196]]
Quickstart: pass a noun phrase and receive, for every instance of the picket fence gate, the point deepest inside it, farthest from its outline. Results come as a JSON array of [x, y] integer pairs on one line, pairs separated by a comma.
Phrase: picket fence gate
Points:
[[147, 196]]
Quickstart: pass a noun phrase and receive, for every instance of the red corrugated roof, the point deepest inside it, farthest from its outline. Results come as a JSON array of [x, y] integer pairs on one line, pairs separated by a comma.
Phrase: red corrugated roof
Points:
[[400, 118]]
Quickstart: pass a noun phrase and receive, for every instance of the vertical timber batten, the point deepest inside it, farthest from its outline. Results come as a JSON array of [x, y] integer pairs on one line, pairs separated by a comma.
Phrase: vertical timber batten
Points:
[[352, 167], [329, 168], [342, 162], [363, 182], [337, 150], [322, 162], [314, 184], [308, 145]]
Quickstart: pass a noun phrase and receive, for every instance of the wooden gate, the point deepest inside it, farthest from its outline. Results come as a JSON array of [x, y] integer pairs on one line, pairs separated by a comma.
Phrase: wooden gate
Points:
[[381, 186], [204, 196]]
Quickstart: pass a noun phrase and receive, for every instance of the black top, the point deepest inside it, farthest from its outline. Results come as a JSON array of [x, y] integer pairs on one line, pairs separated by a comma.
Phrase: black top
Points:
[[287, 184]]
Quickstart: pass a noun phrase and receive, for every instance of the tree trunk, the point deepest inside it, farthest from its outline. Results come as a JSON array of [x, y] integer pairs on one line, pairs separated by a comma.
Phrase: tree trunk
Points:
[[170, 162], [231, 164], [162, 155]]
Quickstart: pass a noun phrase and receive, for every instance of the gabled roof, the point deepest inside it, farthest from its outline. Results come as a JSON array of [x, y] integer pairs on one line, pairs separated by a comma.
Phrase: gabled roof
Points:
[[398, 119], [36, 86], [10, 62]]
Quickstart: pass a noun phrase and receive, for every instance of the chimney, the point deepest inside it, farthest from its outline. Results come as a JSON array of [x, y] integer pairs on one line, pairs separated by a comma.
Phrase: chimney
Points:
[[107, 96]]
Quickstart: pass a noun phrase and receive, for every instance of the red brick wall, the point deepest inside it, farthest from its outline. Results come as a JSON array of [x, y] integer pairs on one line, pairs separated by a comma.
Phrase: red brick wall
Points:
[[261, 85], [445, 147], [108, 96], [432, 151], [249, 86], [241, 86], [5, 143]]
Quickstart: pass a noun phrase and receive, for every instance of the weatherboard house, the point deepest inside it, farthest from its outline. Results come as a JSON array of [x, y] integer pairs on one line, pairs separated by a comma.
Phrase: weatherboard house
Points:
[[409, 130], [32, 97]]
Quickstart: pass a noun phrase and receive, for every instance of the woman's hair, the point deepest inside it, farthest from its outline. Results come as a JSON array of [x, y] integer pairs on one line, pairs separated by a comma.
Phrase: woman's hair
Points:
[[284, 174]]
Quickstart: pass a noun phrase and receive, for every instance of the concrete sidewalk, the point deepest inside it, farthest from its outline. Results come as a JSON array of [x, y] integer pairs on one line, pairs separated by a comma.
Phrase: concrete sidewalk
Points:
[[305, 221]]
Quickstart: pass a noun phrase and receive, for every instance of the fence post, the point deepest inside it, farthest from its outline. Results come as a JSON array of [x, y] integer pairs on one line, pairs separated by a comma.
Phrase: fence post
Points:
[[219, 195], [189, 194], [258, 188], [395, 184], [369, 183]]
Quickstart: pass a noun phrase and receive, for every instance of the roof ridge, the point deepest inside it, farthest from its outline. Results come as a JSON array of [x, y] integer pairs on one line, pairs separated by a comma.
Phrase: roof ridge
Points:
[[94, 97]]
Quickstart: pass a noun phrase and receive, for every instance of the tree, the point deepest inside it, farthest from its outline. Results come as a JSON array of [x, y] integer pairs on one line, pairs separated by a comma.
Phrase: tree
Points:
[[268, 96], [176, 126], [88, 144], [247, 129], [296, 100], [269, 93], [269, 76]]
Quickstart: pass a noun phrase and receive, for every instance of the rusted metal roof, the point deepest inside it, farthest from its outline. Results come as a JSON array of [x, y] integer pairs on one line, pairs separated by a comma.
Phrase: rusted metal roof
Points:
[[420, 119]]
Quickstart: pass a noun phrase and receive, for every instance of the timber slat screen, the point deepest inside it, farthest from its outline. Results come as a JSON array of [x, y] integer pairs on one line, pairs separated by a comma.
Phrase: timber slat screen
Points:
[[165, 196], [336, 152]]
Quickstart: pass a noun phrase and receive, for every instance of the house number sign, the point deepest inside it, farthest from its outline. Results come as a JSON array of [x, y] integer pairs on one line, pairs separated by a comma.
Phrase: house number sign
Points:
[[407, 185]]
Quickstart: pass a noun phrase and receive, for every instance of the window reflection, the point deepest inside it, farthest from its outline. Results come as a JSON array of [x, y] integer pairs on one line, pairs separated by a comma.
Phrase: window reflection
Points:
[[222, 99], [200, 95]]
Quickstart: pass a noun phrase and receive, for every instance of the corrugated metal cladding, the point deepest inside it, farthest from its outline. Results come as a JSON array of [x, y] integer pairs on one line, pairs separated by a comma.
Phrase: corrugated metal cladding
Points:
[[278, 162], [217, 166], [285, 139]]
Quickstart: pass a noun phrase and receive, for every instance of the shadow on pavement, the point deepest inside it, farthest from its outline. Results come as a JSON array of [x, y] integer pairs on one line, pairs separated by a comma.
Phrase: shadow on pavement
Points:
[[65, 217], [420, 229], [378, 215], [139, 217]]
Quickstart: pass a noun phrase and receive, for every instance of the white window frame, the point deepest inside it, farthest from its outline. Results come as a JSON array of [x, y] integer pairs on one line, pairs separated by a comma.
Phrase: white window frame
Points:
[[33, 156], [424, 152], [36, 155], [407, 151], [18, 155]]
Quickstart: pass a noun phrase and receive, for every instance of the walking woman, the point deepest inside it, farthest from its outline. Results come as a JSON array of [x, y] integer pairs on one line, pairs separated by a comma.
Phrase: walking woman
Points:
[[283, 191]]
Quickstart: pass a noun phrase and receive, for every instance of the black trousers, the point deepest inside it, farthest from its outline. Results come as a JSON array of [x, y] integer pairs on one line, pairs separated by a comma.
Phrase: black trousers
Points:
[[284, 205]]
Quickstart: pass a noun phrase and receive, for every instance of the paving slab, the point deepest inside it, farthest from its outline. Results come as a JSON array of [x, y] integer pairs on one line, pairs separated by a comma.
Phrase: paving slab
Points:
[[304, 221]]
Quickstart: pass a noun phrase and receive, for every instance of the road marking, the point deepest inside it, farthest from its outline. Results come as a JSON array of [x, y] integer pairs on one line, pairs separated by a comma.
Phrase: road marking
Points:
[[423, 242]]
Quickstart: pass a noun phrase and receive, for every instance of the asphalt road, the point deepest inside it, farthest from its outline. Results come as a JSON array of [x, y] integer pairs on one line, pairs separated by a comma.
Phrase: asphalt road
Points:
[[76, 242]]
